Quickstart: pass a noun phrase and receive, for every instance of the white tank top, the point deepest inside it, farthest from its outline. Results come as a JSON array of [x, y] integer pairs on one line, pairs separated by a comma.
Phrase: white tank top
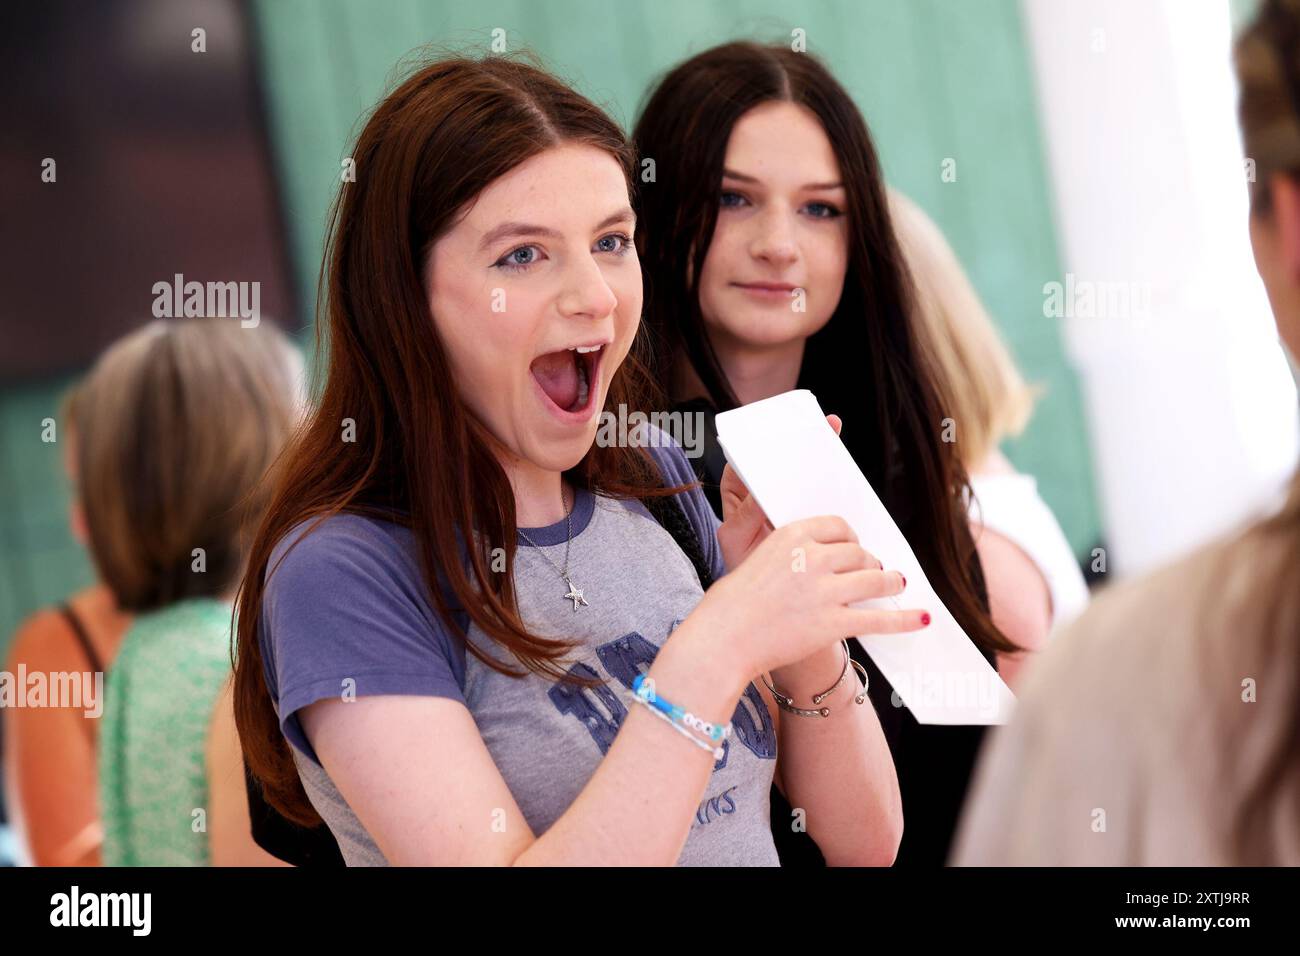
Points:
[[1009, 504]]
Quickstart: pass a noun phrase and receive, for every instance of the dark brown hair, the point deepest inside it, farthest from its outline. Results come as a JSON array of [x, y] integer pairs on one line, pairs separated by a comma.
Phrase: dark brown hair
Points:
[[864, 364], [431, 146], [1267, 60]]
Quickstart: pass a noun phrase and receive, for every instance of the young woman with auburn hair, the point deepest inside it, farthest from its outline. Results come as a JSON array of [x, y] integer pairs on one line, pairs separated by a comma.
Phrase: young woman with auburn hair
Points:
[[463, 639], [771, 263]]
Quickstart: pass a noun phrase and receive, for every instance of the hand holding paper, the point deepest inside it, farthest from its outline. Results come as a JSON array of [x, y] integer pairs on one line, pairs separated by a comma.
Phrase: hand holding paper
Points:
[[744, 523], [796, 467], [768, 618]]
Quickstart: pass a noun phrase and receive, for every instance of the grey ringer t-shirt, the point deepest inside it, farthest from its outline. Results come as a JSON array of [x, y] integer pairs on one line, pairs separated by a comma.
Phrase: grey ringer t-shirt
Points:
[[348, 604]]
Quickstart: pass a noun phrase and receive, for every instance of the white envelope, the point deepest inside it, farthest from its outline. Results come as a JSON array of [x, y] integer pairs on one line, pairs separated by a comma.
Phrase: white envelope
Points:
[[796, 467]]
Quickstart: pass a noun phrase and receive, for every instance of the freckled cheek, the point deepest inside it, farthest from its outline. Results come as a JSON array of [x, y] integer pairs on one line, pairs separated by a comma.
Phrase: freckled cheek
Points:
[[484, 348], [508, 336], [725, 258], [628, 290], [828, 262], [627, 318]]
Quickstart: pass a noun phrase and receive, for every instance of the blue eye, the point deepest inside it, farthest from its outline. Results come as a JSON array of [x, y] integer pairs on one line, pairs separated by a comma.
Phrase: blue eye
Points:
[[731, 200], [822, 210], [519, 258], [615, 242]]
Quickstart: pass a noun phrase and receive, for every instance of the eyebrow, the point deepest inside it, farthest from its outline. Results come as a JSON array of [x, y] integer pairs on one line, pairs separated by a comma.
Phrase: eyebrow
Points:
[[515, 230], [742, 177]]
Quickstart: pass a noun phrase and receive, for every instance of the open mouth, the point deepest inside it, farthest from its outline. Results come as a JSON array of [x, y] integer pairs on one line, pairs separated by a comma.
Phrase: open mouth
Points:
[[567, 378]]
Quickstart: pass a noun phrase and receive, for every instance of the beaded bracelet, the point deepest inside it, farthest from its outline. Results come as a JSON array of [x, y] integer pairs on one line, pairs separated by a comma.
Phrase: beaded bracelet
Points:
[[643, 691], [716, 751]]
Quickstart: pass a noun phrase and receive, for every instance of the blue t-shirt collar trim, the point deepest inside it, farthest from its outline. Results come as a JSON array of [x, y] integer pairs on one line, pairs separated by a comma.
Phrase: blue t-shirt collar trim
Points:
[[584, 503]]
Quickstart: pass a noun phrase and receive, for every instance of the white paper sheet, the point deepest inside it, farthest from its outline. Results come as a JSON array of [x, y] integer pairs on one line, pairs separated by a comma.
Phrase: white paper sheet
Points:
[[795, 465]]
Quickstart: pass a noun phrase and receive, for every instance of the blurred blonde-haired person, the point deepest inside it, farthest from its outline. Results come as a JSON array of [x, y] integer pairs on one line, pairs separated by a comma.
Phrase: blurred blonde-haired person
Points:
[[170, 434], [1034, 581], [1163, 727]]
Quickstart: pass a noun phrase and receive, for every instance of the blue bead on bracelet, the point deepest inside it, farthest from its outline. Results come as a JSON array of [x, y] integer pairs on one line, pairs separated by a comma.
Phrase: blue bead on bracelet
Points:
[[644, 689]]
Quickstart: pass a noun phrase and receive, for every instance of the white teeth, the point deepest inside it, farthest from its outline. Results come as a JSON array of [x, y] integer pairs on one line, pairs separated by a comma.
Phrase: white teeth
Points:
[[588, 348]]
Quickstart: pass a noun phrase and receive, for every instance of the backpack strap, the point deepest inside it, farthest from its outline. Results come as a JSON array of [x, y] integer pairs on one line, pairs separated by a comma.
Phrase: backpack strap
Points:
[[667, 510], [79, 631]]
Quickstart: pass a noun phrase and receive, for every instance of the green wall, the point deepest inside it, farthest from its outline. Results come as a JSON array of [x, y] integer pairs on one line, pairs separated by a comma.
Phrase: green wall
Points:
[[935, 79], [40, 563]]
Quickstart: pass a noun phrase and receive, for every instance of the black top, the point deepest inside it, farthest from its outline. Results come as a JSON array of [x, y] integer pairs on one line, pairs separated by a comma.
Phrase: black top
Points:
[[83, 638], [934, 763], [282, 838]]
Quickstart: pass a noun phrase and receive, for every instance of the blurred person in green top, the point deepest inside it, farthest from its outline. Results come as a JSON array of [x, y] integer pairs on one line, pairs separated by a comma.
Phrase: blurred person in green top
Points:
[[177, 425]]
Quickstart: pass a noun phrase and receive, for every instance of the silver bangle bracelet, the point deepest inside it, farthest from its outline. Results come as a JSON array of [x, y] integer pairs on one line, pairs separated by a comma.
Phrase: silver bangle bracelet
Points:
[[786, 702]]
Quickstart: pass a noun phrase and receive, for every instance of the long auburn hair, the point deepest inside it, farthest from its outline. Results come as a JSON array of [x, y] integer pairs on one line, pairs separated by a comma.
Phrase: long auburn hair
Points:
[[892, 409], [451, 128]]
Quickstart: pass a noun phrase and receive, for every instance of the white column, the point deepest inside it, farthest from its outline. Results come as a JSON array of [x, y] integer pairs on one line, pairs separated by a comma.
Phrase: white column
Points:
[[1191, 404]]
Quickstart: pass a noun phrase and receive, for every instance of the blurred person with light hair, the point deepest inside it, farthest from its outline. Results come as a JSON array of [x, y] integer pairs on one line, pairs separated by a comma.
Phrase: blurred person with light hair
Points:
[[1018, 538], [1163, 727], [171, 433]]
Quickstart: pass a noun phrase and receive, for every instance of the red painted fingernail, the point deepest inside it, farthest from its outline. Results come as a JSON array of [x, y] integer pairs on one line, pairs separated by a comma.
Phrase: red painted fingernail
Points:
[[904, 577], [925, 618]]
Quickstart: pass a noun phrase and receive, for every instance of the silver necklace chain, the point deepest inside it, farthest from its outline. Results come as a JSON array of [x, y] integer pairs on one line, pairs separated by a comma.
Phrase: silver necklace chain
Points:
[[575, 593]]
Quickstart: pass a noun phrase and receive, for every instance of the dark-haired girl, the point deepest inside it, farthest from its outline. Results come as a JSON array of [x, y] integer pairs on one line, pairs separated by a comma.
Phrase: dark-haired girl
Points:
[[771, 264], [469, 634]]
